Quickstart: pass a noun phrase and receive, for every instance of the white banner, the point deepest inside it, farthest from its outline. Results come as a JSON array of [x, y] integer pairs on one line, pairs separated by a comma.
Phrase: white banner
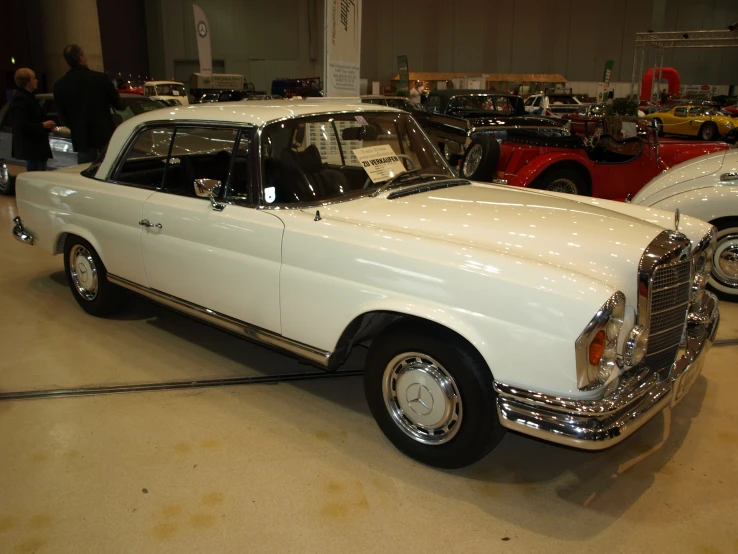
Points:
[[202, 29], [342, 47]]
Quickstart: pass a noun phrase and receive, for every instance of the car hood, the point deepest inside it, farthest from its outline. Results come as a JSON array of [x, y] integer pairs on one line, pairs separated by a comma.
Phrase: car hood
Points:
[[558, 229], [684, 176]]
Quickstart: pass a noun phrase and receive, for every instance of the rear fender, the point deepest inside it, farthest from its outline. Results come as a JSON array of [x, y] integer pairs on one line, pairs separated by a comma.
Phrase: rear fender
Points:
[[533, 168]]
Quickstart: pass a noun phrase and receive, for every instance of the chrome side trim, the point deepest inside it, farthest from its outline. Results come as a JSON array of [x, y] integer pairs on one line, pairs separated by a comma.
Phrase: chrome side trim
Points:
[[20, 233], [600, 423], [227, 323]]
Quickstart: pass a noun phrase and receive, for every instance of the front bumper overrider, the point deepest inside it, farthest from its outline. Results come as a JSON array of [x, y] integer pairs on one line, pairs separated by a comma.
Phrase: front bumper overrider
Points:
[[20, 233], [639, 395]]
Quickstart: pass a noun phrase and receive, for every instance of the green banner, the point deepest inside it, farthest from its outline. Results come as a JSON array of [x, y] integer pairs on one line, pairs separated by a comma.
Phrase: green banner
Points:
[[607, 73], [404, 73]]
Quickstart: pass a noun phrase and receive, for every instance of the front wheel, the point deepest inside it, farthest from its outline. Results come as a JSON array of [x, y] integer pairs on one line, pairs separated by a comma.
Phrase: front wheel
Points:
[[88, 279], [708, 131], [724, 275], [432, 395]]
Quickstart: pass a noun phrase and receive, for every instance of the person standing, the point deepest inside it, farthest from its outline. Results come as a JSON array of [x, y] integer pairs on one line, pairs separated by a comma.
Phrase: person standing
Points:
[[416, 92], [30, 130], [83, 99]]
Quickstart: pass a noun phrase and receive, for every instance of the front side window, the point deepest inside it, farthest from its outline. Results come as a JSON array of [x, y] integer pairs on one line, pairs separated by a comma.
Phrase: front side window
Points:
[[199, 153], [433, 104], [327, 157], [150, 90], [170, 89], [680, 112], [145, 161]]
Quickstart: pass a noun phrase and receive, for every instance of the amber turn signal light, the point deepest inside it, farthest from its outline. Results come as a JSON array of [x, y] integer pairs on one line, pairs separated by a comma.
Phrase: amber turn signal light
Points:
[[597, 348]]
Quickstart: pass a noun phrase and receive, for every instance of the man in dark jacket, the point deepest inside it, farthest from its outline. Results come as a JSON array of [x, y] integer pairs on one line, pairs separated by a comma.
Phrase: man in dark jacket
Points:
[[30, 130], [83, 99]]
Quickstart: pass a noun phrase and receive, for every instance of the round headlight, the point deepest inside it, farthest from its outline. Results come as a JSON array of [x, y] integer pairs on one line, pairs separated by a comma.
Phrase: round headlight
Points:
[[635, 345], [729, 125]]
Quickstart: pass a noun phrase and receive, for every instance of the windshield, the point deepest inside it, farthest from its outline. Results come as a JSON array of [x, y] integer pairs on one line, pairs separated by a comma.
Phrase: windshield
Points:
[[481, 102], [170, 89], [531, 101], [326, 157]]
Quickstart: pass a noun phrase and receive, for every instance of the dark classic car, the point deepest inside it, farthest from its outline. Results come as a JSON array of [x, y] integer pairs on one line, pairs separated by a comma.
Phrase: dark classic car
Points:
[[59, 139], [464, 123]]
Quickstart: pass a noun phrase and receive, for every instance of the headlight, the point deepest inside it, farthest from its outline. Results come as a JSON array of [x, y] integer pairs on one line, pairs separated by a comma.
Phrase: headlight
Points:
[[596, 347], [635, 345], [729, 125], [702, 264]]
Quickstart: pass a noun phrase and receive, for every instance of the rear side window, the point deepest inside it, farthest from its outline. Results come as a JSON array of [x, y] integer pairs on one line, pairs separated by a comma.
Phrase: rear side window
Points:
[[145, 161]]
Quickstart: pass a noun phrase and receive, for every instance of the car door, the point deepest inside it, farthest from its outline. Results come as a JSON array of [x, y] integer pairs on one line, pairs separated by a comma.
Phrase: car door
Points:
[[677, 122], [223, 257], [616, 179]]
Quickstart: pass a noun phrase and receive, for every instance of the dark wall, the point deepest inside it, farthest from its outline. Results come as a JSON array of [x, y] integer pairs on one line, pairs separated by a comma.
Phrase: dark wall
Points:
[[123, 36], [21, 41]]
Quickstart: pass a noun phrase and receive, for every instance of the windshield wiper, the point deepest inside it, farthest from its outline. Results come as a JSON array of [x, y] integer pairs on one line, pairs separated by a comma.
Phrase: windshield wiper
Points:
[[396, 180]]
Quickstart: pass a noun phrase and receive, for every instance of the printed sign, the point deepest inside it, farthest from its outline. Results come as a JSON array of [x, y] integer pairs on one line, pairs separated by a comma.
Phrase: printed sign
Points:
[[380, 162], [343, 47], [404, 73], [202, 28], [607, 73]]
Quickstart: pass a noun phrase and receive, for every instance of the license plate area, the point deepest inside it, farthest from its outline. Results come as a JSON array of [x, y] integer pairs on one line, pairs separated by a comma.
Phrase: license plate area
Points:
[[684, 382]]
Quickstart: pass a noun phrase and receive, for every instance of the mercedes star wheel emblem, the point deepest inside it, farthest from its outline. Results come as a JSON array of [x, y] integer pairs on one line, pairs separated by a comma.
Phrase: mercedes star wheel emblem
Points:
[[420, 399]]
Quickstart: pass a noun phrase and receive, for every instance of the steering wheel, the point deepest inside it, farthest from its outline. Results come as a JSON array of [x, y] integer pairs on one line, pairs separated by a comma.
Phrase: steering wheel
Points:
[[410, 163], [591, 141]]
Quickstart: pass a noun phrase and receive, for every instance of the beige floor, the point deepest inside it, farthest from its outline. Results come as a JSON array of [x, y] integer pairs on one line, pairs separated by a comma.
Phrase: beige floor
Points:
[[302, 467]]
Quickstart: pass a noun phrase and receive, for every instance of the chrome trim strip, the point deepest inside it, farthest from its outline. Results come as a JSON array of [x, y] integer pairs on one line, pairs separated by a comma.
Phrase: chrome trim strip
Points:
[[600, 423], [227, 323], [20, 233]]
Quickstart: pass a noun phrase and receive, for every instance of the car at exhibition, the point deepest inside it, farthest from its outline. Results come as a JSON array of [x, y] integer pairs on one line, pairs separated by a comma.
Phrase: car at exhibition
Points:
[[695, 121], [586, 119], [602, 166], [332, 225], [706, 188], [166, 91], [399, 102], [458, 121], [552, 104], [60, 139]]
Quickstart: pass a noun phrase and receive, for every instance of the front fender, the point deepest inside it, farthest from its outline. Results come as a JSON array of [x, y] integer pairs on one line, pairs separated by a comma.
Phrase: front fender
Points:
[[707, 203], [529, 172]]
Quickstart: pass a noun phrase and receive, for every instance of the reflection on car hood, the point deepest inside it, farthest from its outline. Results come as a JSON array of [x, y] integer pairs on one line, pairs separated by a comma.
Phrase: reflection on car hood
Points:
[[683, 176], [516, 121], [580, 235]]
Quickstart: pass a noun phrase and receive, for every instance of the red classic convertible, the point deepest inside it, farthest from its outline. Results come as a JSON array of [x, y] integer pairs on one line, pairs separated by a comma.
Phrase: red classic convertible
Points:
[[604, 167]]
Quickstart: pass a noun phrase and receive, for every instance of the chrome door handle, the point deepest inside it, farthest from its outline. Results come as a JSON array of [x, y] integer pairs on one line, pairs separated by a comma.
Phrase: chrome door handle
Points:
[[145, 223]]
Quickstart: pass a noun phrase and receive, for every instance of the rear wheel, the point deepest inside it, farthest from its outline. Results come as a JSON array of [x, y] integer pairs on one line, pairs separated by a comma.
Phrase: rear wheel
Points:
[[481, 158], [88, 279], [709, 131], [563, 180], [724, 275], [432, 395], [7, 182]]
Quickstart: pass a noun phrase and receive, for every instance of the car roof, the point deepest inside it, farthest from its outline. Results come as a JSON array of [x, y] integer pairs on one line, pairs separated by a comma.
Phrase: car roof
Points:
[[163, 83], [50, 96], [258, 112]]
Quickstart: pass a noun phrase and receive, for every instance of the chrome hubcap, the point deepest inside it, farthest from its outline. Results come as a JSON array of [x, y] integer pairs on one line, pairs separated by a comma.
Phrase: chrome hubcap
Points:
[[422, 398], [473, 160], [83, 272], [725, 260], [708, 132], [563, 185]]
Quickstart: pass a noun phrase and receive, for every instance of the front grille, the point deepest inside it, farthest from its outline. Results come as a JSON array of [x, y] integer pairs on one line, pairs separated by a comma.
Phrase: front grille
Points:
[[671, 286]]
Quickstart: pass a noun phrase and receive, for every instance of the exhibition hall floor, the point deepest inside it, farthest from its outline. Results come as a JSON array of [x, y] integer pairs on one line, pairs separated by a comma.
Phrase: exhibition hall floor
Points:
[[302, 467]]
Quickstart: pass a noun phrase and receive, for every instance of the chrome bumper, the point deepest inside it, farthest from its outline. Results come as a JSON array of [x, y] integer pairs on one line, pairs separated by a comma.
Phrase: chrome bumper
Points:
[[20, 233], [499, 181], [639, 395]]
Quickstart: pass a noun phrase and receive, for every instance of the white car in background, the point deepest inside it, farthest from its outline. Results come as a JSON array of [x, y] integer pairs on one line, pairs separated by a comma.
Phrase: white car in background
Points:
[[316, 227], [706, 188], [170, 92]]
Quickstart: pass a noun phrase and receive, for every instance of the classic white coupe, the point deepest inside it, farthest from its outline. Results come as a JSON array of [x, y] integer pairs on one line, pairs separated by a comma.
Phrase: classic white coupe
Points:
[[706, 188], [316, 227]]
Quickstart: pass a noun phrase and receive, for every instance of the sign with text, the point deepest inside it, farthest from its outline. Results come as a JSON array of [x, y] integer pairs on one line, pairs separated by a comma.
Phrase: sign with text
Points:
[[379, 162], [342, 47], [607, 73], [404, 73]]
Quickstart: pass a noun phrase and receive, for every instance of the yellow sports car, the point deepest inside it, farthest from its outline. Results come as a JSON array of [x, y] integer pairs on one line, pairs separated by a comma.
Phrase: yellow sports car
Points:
[[694, 121]]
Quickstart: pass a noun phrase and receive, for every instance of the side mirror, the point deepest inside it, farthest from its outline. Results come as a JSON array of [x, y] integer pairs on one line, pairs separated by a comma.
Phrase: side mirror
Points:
[[206, 188], [209, 188]]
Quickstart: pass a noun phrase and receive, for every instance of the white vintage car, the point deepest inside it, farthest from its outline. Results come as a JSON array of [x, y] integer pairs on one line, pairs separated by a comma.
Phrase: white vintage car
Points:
[[316, 227], [706, 188]]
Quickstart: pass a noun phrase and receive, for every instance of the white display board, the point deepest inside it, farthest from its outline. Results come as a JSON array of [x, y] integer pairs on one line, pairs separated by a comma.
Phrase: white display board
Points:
[[343, 47]]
